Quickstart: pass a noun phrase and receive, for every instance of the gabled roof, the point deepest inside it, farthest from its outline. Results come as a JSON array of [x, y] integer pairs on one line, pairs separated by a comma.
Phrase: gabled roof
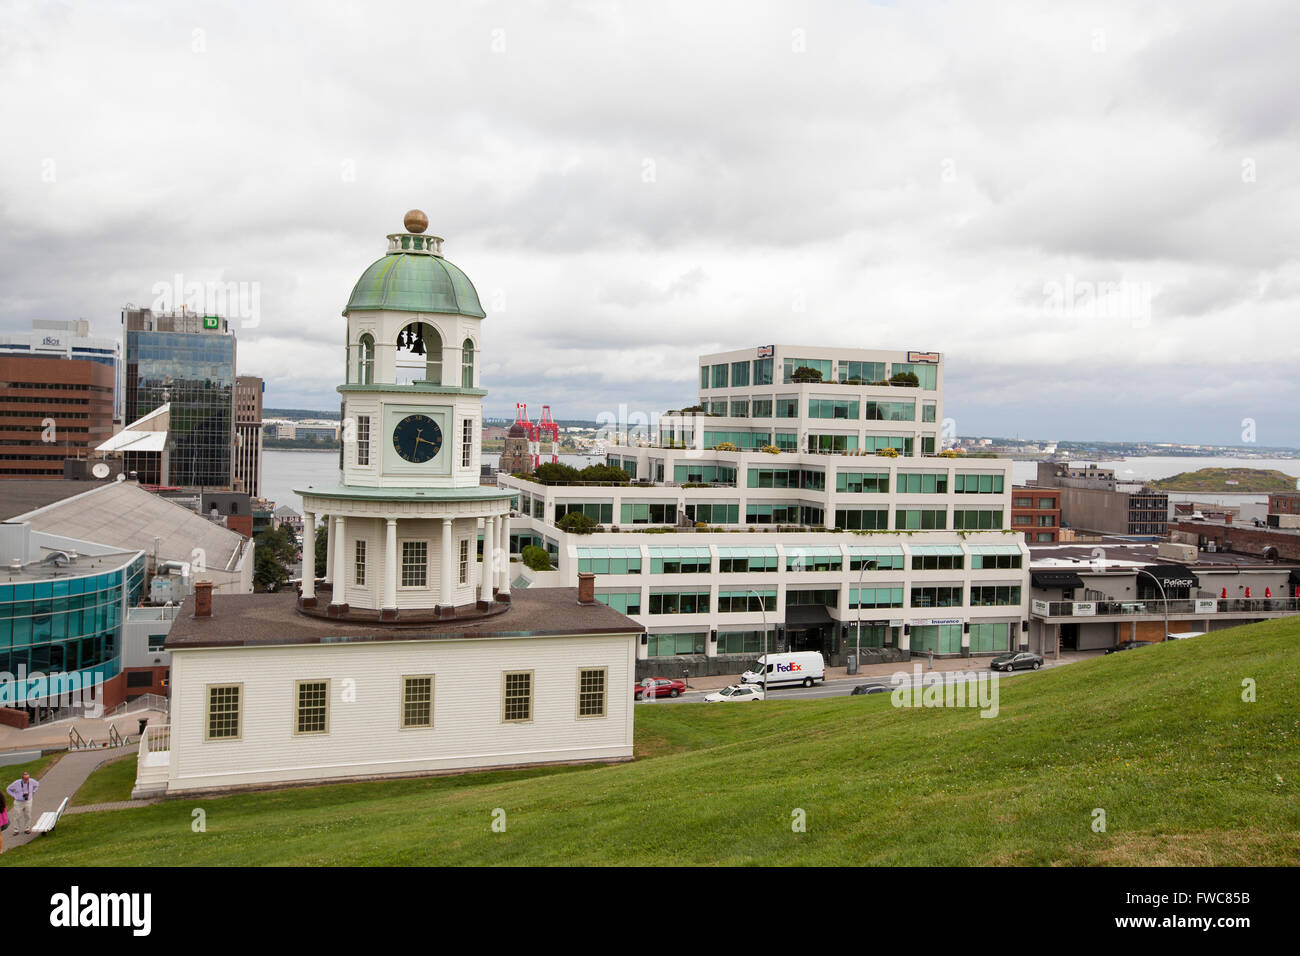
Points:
[[121, 514]]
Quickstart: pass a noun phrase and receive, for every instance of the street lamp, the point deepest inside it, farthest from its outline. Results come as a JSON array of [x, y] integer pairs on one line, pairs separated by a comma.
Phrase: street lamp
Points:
[[762, 606], [866, 564], [1163, 596]]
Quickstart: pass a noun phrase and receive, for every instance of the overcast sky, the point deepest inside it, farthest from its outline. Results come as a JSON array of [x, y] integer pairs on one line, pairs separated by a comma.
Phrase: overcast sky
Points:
[[630, 185]]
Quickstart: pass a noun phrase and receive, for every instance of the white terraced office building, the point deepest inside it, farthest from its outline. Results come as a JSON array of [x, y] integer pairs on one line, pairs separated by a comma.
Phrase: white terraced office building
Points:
[[782, 510]]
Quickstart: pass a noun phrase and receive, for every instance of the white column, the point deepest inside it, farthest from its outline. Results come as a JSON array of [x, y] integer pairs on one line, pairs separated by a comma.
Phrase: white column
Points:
[[309, 555], [447, 560], [390, 565], [485, 568], [505, 556], [329, 550], [340, 563]]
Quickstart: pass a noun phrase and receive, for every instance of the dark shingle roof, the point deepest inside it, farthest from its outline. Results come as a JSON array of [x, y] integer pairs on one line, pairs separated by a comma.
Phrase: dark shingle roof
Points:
[[245, 620]]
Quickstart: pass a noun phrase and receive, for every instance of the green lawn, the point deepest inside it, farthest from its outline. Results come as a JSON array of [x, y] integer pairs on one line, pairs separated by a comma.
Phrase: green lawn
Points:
[[109, 783], [1159, 738]]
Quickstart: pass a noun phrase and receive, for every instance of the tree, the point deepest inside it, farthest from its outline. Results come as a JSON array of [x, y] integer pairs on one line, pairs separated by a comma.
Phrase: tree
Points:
[[905, 378], [605, 473], [322, 546], [555, 472], [274, 552], [806, 374], [575, 522], [536, 558]]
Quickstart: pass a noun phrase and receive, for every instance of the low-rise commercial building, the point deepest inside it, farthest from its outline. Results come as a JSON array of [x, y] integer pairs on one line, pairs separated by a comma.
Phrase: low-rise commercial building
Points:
[[1095, 596], [1093, 500], [1036, 512]]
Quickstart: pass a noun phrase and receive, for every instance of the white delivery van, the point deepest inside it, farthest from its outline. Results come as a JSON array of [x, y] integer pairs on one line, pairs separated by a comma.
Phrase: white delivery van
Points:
[[800, 667]]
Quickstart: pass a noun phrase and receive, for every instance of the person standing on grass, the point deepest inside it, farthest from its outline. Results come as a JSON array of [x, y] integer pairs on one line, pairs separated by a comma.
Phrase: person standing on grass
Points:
[[23, 790]]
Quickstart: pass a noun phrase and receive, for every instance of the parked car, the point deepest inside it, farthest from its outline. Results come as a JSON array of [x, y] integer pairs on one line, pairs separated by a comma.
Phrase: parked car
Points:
[[870, 689], [1126, 646], [799, 667], [1022, 661], [736, 692], [658, 687]]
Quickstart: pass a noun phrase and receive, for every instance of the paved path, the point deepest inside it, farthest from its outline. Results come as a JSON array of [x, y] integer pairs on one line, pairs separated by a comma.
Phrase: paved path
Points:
[[55, 736], [63, 780]]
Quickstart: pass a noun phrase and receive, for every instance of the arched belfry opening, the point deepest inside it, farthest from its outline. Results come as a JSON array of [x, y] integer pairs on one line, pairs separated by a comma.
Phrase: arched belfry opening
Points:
[[419, 354]]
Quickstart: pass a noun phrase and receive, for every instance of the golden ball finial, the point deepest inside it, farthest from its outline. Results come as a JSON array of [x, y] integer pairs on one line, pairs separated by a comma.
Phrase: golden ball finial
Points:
[[415, 221]]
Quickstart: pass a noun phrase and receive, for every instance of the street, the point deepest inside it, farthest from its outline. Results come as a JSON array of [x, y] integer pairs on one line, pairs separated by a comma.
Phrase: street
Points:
[[842, 687]]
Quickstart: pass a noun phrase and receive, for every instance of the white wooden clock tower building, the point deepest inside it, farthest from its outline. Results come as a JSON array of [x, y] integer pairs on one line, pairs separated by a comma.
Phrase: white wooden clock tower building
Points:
[[403, 525]]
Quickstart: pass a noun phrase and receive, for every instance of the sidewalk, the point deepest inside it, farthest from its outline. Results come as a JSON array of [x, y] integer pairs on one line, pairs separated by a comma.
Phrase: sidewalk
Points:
[[55, 736], [63, 780]]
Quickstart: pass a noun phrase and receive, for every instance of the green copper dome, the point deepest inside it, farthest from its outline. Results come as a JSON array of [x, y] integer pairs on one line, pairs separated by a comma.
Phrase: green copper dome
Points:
[[415, 282]]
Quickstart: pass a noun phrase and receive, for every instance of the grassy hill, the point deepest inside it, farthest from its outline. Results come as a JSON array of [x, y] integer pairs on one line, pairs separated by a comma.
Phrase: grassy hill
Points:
[[1252, 480], [1159, 738]]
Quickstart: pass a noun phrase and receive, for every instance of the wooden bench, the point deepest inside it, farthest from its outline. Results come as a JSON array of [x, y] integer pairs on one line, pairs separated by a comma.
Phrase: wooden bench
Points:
[[50, 818]]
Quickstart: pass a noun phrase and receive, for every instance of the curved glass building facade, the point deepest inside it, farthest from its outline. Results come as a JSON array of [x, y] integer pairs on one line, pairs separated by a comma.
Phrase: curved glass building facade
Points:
[[61, 629]]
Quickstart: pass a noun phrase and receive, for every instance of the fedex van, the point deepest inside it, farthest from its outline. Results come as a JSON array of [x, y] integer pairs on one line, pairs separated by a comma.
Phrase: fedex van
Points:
[[800, 667]]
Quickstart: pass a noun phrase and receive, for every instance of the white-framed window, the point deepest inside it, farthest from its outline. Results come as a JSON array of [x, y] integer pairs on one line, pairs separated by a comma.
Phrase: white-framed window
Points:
[[311, 710], [225, 712], [464, 561], [366, 359], [516, 697], [466, 442], [592, 682], [467, 364], [359, 566], [363, 439], [417, 701], [415, 564]]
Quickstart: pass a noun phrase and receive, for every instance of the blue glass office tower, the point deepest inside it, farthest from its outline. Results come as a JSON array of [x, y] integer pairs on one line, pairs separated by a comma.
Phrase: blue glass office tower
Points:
[[188, 360]]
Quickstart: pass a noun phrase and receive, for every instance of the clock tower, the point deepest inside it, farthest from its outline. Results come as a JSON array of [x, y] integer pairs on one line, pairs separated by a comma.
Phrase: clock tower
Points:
[[404, 521]]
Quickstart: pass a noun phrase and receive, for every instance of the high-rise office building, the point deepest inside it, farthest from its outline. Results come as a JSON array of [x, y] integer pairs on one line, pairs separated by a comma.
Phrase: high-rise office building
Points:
[[186, 360], [248, 434], [51, 409], [70, 339]]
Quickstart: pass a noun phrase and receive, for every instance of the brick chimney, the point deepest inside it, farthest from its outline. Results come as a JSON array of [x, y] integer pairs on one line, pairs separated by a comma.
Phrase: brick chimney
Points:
[[203, 599], [1227, 519], [586, 587]]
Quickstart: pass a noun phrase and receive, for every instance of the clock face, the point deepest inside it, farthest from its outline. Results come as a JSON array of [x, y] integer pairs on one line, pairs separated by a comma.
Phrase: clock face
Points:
[[417, 439]]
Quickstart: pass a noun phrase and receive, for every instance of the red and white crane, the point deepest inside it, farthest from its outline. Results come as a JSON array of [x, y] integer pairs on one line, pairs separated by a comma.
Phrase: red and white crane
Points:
[[544, 426]]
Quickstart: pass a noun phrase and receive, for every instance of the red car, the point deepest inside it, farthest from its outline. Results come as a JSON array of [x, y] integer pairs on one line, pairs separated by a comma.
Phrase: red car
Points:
[[659, 687]]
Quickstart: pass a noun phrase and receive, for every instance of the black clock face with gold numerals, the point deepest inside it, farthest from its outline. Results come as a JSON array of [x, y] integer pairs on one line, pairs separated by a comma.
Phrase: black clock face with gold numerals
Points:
[[417, 439]]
